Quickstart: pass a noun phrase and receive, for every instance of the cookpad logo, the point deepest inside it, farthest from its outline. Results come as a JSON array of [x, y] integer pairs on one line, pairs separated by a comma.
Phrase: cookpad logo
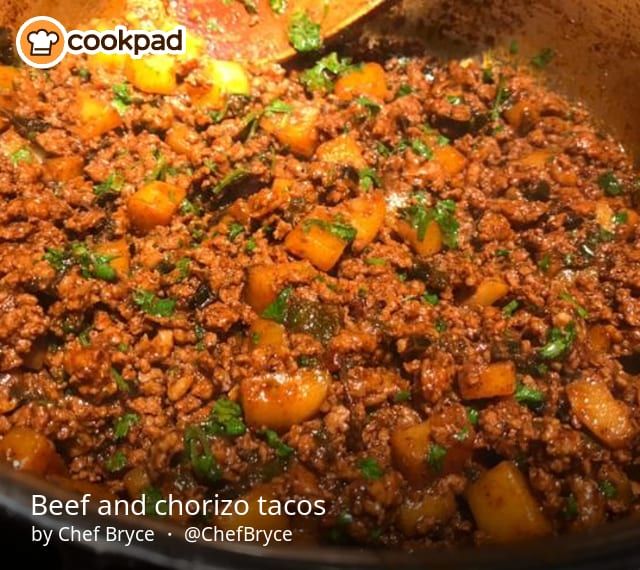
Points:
[[42, 42]]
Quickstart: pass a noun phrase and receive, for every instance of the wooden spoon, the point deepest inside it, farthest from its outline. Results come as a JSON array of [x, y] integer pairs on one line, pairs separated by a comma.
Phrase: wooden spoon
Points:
[[259, 30]]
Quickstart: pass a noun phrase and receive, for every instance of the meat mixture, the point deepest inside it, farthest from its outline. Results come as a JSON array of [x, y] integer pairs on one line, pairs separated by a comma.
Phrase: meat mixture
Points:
[[408, 288]]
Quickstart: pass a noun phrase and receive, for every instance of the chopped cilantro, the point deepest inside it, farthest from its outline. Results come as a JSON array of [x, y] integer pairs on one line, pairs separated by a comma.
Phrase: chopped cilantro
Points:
[[226, 419], [454, 99], [545, 263], [378, 261], [404, 90], [251, 245], [502, 94], [276, 311], [187, 207], [608, 489], [530, 397], [436, 456], [370, 105], [183, 268], [235, 229], [283, 451], [278, 6], [421, 149], [510, 308], [152, 503], [304, 33], [21, 155], [321, 75], [369, 178], [610, 184], [198, 451], [121, 97], [153, 305], [441, 325], [57, 258], [112, 185], [514, 47], [582, 312], [230, 179], [401, 396], [419, 217], [473, 416], [559, 341], [570, 510], [543, 58], [337, 227], [121, 383], [277, 107], [123, 424], [117, 462], [431, 298], [621, 217], [370, 468], [83, 337]]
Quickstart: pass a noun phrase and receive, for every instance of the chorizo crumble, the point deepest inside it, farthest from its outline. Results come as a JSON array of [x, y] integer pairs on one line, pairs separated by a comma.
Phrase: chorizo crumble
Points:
[[409, 288]]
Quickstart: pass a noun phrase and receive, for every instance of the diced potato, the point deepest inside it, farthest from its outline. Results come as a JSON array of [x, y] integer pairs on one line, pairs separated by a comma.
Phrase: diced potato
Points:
[[604, 416], [450, 158], [230, 76], [255, 518], [599, 338], [264, 332], [181, 138], [279, 400], [296, 130], [344, 150], [604, 215], [430, 245], [264, 282], [627, 228], [418, 517], [153, 74], [110, 62], [63, 168], [523, 115], [488, 292], [27, 450], [136, 481], [366, 214], [409, 448], [8, 76], [368, 80], [314, 243], [194, 46], [538, 158], [118, 250], [96, 117], [497, 379], [97, 492], [503, 506], [154, 205]]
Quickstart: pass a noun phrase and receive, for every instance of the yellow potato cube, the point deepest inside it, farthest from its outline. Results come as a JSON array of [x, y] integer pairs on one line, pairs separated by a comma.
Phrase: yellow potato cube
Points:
[[153, 74]]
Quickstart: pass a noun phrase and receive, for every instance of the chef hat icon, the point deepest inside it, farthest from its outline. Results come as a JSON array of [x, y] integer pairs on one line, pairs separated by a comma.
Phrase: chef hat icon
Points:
[[42, 41]]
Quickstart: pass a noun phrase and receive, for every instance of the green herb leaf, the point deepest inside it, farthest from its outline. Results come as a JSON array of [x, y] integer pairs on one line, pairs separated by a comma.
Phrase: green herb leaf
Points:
[[378, 261], [404, 90], [608, 489], [570, 510], [373, 107], [117, 462], [183, 267], [235, 229], [123, 424], [226, 419], [278, 107], [57, 258], [610, 184], [502, 94], [231, 178], [22, 155], [278, 6], [320, 76], [304, 33], [510, 308], [112, 185], [153, 305], [337, 227], [277, 310], [283, 451], [121, 383], [251, 245], [401, 396], [419, 217], [431, 298], [559, 342], [122, 97], [421, 149], [369, 178], [436, 456], [187, 207], [370, 469], [198, 451], [473, 416], [152, 504], [621, 217], [530, 397], [543, 58], [580, 310]]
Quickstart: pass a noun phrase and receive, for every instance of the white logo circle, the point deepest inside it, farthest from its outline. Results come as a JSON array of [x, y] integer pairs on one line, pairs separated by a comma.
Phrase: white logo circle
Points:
[[59, 27]]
